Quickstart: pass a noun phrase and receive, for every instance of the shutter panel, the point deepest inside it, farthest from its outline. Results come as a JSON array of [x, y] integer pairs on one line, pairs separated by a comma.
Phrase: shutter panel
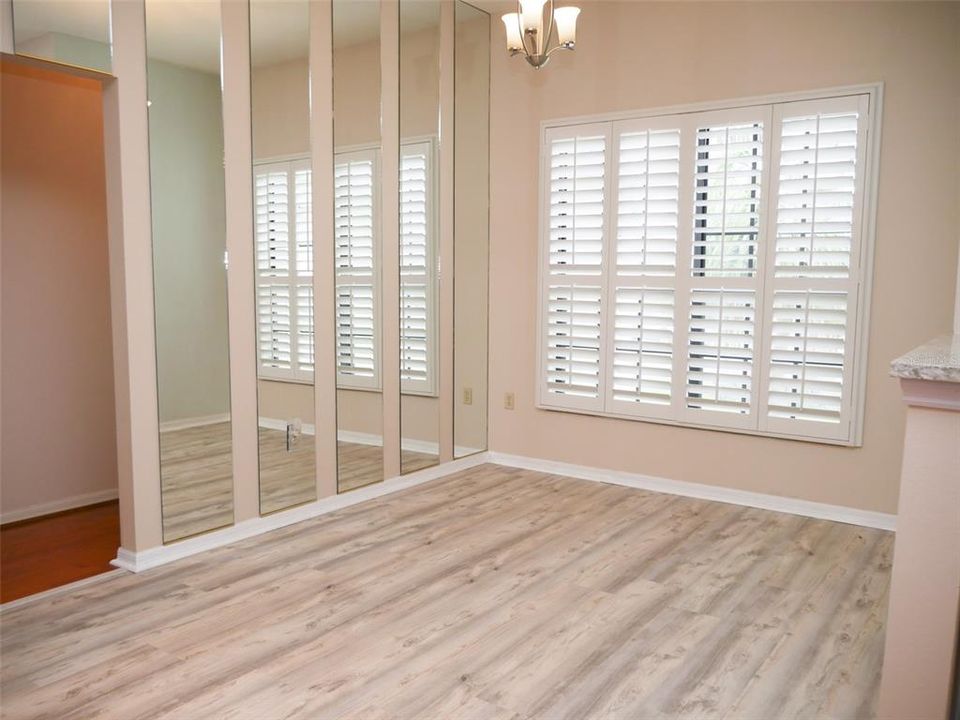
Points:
[[416, 269], [576, 204], [304, 320], [648, 189], [818, 174], [356, 340], [727, 205], [355, 253], [720, 350], [274, 327], [643, 346], [573, 341], [272, 222], [573, 335], [807, 351], [303, 222]]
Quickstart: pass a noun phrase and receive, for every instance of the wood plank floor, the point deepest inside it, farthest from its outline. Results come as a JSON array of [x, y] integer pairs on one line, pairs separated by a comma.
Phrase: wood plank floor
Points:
[[50, 551], [493, 593], [197, 476]]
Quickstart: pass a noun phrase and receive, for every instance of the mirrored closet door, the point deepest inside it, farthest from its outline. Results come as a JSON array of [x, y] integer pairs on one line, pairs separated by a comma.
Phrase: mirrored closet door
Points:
[[471, 227], [283, 248], [357, 253], [189, 261], [71, 32], [419, 234]]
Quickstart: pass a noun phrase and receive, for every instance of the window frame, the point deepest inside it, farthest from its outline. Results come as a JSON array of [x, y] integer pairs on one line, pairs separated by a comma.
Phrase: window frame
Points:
[[861, 274]]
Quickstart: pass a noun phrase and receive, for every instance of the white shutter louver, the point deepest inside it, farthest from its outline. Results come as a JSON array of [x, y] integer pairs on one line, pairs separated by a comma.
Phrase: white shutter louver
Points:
[[818, 172], [727, 204], [303, 222], [643, 345], [274, 326], [272, 222], [808, 336], [416, 269], [648, 202], [355, 258], [573, 341], [576, 204], [720, 350], [304, 323], [355, 327]]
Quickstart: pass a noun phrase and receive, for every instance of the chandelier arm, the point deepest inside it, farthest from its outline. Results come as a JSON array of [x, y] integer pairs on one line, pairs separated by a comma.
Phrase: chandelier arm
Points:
[[559, 47], [523, 33], [547, 35]]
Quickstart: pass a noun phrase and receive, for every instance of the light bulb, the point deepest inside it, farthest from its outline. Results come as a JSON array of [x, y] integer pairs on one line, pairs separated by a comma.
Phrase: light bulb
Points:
[[566, 20], [532, 11]]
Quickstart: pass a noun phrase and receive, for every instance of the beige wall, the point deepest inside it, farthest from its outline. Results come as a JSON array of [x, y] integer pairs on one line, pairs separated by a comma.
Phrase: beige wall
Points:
[[58, 411], [641, 55]]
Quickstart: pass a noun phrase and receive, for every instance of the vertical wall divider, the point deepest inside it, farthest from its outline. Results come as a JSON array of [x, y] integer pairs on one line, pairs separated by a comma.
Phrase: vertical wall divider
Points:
[[324, 331], [238, 198], [445, 355], [390, 232], [6, 26], [127, 159]]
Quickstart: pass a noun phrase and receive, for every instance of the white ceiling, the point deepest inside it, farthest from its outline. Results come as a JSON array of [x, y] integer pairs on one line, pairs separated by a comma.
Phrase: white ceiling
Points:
[[187, 32]]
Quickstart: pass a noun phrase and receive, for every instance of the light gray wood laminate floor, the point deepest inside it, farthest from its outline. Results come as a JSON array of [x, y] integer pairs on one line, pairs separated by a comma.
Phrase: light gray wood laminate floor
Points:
[[493, 593]]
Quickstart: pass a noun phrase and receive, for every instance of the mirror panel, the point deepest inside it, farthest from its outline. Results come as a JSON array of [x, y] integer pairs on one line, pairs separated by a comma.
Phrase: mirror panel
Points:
[[189, 263], [283, 242], [471, 227], [419, 242], [73, 32], [356, 237]]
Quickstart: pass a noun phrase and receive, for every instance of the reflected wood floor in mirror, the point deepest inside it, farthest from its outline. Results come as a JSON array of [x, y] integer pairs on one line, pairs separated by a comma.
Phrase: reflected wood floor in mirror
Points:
[[196, 468], [493, 593], [198, 484]]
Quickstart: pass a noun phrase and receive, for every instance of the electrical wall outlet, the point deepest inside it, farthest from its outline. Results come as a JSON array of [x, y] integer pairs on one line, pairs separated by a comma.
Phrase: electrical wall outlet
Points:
[[294, 431], [508, 401], [468, 396]]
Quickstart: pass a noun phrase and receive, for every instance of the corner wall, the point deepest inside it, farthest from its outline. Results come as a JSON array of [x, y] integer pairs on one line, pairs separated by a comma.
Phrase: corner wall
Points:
[[59, 432], [645, 55]]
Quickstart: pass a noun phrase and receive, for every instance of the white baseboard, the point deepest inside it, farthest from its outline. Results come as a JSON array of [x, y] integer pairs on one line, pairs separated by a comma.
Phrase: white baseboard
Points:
[[154, 557], [193, 422], [793, 506], [70, 503], [359, 438]]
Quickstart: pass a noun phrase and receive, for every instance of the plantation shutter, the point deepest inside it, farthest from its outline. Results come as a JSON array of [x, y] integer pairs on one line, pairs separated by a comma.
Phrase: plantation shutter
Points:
[[573, 338], [719, 326], [707, 268], [357, 304], [641, 279], [815, 275], [417, 268]]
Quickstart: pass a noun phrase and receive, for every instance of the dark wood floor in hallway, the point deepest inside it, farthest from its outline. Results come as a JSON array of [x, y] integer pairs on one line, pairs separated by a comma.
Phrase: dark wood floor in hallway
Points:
[[493, 593], [50, 551]]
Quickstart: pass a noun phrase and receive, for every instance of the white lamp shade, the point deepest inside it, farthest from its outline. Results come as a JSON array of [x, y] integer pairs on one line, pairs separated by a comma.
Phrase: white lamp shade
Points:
[[566, 20], [532, 11], [511, 22]]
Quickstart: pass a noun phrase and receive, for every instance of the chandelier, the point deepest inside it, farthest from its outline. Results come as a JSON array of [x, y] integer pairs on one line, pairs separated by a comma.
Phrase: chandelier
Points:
[[528, 33]]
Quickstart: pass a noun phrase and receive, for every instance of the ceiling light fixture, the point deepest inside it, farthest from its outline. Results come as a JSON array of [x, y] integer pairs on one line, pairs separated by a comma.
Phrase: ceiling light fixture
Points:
[[530, 30]]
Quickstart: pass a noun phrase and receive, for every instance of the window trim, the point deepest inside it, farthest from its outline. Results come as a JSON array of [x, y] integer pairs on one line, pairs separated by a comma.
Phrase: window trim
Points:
[[860, 300]]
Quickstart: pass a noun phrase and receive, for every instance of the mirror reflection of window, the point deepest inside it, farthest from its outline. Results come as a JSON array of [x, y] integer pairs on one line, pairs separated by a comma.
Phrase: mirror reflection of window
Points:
[[357, 250], [279, 84], [419, 219]]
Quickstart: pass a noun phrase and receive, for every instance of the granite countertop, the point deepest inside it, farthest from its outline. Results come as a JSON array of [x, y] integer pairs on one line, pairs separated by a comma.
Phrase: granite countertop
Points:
[[938, 359]]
